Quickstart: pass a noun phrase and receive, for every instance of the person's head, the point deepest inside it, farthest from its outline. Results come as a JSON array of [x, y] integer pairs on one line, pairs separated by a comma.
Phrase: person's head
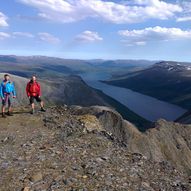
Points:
[[6, 77], [33, 78]]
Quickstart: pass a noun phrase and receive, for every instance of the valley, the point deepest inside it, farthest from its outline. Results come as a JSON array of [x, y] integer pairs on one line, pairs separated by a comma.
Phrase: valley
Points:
[[167, 81], [145, 106], [62, 83], [94, 131], [120, 84]]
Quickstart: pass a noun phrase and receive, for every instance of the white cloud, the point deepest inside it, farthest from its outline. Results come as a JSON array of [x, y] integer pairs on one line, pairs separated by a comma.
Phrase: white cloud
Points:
[[186, 14], [186, 5], [55, 10], [23, 34], [140, 43], [141, 37], [46, 37], [43, 36], [129, 12], [3, 20], [183, 19], [88, 36], [4, 35]]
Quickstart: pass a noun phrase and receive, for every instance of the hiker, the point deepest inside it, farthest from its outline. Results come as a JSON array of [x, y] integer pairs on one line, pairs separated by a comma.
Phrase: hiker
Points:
[[33, 91], [7, 92]]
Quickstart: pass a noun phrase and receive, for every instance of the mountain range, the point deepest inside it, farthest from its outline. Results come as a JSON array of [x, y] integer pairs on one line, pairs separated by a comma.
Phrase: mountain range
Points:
[[62, 84], [82, 143], [167, 81]]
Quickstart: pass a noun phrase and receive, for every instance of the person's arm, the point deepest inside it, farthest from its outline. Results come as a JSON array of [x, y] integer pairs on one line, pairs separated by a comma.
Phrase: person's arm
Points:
[[27, 90], [39, 87], [14, 91], [1, 91]]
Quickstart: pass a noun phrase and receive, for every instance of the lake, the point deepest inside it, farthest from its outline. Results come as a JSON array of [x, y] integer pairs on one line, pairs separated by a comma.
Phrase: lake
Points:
[[147, 107]]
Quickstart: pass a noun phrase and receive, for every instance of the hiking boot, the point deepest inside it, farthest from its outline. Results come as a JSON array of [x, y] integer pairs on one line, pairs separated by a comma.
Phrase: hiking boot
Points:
[[42, 109], [32, 112], [3, 115], [9, 113]]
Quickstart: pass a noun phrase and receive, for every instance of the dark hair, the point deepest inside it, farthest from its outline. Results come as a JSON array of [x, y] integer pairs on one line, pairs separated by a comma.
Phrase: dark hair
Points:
[[6, 75]]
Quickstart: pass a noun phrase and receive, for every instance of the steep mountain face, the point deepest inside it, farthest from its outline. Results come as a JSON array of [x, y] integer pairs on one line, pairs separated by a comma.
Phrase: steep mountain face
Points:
[[185, 119], [76, 148], [166, 141], [61, 84], [66, 90], [168, 81]]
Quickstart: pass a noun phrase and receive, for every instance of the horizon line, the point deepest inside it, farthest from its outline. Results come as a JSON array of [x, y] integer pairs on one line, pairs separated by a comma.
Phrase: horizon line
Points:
[[113, 59]]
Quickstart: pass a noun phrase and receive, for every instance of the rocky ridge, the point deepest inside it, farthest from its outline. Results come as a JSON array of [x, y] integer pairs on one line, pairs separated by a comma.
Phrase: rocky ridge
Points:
[[86, 148]]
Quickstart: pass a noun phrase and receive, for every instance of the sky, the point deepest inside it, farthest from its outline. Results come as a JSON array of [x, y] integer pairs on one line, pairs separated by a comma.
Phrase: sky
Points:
[[97, 29]]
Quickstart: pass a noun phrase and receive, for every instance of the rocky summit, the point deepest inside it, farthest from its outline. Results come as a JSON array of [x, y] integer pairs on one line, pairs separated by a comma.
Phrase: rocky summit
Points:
[[91, 148]]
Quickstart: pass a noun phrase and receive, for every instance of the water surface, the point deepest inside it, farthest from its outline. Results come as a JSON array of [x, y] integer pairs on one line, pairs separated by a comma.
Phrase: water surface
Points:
[[148, 107]]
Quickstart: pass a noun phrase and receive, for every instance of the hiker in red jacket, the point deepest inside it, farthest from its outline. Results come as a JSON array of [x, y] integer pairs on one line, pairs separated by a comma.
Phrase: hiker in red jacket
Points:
[[33, 91]]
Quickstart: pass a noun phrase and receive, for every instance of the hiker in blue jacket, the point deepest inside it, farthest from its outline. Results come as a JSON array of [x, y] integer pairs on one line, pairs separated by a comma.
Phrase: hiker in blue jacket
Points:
[[7, 92]]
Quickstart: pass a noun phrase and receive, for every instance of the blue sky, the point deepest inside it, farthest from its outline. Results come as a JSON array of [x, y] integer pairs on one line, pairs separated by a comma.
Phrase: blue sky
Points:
[[89, 29]]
